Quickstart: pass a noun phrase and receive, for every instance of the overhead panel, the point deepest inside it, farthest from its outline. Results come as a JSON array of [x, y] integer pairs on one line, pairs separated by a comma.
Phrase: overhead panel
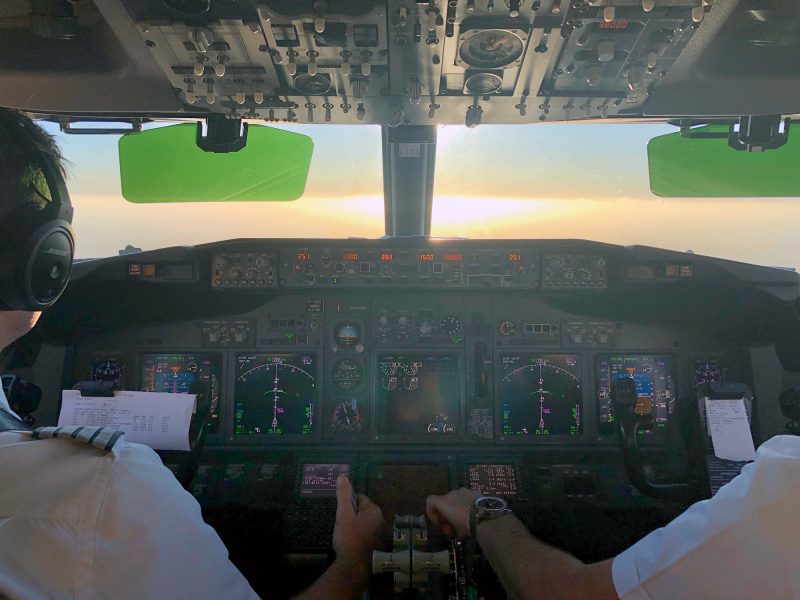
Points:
[[417, 62]]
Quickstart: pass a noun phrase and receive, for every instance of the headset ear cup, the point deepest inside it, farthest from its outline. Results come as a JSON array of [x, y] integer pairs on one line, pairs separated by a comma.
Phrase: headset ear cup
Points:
[[50, 252]]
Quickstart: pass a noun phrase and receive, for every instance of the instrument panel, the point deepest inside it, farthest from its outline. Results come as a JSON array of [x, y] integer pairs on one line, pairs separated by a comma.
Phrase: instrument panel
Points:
[[428, 368]]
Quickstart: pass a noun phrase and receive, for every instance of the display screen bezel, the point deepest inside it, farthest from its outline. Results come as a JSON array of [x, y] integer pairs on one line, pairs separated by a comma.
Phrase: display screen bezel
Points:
[[377, 411], [535, 440], [263, 439], [607, 430]]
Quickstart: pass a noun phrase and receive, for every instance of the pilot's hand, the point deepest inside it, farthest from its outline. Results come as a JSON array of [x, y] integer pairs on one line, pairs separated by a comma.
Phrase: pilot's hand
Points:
[[355, 533], [450, 512]]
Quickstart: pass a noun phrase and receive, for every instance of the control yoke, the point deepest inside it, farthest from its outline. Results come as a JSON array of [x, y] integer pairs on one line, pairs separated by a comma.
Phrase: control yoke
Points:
[[634, 413]]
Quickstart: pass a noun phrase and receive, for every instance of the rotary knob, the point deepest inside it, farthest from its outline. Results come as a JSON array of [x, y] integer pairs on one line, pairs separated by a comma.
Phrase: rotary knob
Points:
[[425, 327]]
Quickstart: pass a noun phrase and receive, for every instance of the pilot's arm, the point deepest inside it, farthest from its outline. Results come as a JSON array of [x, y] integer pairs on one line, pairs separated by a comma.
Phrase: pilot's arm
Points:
[[353, 541], [742, 543], [527, 568]]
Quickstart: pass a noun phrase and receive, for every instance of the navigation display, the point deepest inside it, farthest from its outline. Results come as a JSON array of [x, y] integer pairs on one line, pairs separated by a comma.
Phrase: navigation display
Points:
[[541, 394], [275, 394], [655, 378], [319, 480], [178, 373], [493, 480], [418, 394]]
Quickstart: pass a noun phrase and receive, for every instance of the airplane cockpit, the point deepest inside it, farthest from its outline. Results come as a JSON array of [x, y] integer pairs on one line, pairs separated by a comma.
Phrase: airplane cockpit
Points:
[[447, 310]]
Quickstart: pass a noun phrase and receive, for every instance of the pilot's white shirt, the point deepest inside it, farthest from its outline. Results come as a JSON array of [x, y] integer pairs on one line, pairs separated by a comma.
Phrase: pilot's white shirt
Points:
[[742, 543], [77, 522]]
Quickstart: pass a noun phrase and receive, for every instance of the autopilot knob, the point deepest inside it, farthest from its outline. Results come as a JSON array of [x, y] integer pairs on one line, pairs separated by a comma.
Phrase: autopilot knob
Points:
[[425, 327], [383, 321]]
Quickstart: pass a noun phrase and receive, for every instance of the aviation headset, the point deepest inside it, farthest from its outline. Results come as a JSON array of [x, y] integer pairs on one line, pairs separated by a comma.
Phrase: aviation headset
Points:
[[36, 245]]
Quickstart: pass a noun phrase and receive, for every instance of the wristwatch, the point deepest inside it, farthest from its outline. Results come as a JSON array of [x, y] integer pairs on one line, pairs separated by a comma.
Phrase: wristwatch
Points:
[[483, 509]]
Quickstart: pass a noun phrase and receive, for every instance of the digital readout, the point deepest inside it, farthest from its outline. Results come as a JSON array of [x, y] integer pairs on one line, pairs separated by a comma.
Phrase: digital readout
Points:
[[350, 256], [493, 480], [425, 257], [319, 480], [304, 256], [453, 257], [514, 257], [387, 257]]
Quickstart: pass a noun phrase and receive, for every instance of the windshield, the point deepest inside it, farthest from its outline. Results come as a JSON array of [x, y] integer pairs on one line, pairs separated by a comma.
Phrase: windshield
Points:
[[343, 198], [495, 181]]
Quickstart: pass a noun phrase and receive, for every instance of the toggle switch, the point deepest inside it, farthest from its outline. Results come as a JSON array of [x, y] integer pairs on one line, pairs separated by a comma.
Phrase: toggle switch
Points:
[[191, 97], [199, 65], [210, 96], [219, 68], [327, 106], [366, 68], [345, 54], [312, 62], [291, 66]]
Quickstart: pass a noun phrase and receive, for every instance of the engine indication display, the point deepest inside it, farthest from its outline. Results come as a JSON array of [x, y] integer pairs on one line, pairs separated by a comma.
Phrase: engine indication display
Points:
[[655, 378], [541, 395], [275, 394], [419, 394], [493, 480]]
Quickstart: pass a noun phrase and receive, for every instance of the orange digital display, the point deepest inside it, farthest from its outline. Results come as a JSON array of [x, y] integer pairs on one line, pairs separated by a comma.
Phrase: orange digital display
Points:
[[387, 256], [350, 256], [425, 257], [304, 256], [514, 258], [453, 257]]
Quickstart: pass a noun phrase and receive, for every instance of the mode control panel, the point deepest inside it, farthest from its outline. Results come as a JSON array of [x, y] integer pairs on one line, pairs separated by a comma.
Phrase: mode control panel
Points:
[[574, 271], [243, 270]]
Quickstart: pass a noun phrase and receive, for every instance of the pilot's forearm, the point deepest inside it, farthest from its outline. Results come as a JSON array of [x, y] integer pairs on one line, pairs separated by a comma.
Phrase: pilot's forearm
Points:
[[345, 580], [528, 568]]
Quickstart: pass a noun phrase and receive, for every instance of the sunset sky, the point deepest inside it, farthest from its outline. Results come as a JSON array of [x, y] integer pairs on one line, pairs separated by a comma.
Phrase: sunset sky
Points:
[[544, 181]]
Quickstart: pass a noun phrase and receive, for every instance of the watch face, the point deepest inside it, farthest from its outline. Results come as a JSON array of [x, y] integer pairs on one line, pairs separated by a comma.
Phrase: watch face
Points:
[[490, 503]]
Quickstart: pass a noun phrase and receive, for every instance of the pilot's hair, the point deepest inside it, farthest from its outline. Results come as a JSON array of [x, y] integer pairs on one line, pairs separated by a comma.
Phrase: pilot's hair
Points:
[[22, 182]]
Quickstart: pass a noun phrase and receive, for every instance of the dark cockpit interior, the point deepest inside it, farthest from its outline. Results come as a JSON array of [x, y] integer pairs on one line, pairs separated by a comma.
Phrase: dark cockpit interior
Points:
[[415, 364]]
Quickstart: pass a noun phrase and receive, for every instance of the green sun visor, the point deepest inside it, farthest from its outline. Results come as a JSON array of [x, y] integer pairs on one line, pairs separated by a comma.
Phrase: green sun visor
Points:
[[703, 164], [165, 164]]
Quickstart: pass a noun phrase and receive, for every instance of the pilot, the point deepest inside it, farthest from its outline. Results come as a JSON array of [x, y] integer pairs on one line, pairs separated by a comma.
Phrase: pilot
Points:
[[81, 518], [741, 543]]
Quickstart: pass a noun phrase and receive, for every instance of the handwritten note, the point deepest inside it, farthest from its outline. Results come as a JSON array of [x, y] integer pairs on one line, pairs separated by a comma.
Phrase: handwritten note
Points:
[[730, 429], [158, 420]]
